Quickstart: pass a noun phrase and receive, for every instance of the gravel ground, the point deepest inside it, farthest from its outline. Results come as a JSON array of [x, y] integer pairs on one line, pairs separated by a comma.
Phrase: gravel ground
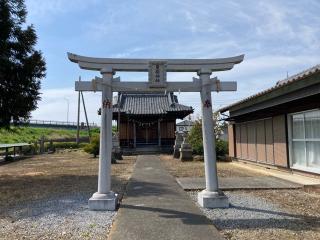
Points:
[[46, 196], [67, 217], [253, 217]]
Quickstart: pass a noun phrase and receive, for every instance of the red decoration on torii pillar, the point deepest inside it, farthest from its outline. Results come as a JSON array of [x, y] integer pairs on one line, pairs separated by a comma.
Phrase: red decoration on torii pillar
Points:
[[207, 103], [107, 103]]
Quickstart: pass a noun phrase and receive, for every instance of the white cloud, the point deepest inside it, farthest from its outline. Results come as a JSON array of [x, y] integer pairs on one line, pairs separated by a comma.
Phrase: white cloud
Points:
[[310, 36], [198, 23], [255, 66], [274, 20]]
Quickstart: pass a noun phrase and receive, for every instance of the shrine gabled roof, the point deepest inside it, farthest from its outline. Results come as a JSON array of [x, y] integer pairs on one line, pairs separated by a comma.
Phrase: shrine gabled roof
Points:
[[149, 104]]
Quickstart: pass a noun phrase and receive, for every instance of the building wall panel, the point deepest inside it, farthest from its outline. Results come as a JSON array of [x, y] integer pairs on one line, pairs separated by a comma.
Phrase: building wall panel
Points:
[[251, 129], [231, 140], [279, 139], [238, 140], [167, 129], [126, 133], [123, 130], [269, 141], [244, 141], [261, 141]]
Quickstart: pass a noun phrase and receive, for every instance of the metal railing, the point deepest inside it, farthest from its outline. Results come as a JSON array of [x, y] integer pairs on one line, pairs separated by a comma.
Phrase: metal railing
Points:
[[56, 123]]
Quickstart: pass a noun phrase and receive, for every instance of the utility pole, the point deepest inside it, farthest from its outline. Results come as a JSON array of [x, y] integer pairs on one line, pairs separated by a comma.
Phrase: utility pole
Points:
[[85, 113], [78, 120]]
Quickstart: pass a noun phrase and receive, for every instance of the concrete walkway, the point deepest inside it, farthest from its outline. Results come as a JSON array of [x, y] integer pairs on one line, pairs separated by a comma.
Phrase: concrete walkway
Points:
[[156, 207], [305, 181]]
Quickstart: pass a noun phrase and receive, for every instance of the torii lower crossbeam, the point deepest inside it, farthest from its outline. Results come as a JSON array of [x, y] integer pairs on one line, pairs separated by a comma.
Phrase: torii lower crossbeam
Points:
[[117, 86]]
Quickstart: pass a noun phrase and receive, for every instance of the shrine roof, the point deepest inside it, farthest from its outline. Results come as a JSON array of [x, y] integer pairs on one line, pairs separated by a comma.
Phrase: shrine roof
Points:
[[150, 104]]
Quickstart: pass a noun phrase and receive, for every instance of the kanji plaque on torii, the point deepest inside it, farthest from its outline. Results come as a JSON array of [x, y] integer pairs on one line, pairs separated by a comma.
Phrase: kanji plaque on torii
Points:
[[104, 198], [157, 74]]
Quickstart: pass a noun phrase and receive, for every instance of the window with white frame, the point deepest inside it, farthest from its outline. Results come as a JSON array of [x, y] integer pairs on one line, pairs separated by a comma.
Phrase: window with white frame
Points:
[[305, 140]]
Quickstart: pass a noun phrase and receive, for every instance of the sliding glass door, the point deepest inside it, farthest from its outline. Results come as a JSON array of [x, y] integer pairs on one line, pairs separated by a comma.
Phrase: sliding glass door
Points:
[[304, 140]]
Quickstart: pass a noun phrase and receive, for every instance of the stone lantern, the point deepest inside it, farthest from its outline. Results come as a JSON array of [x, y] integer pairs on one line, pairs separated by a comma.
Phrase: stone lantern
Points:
[[185, 149], [177, 144]]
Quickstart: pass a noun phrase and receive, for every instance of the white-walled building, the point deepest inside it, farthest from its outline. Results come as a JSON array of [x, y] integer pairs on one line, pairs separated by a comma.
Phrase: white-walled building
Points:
[[185, 125]]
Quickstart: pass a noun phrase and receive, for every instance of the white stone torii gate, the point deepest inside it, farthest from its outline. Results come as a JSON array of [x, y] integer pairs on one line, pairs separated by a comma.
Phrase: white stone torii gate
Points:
[[104, 198]]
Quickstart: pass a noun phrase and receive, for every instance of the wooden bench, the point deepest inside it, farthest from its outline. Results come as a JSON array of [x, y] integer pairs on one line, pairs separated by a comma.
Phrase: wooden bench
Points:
[[14, 146]]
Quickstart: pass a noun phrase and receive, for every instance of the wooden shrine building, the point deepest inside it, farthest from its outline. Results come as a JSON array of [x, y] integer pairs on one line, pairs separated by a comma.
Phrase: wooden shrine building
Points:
[[148, 119]]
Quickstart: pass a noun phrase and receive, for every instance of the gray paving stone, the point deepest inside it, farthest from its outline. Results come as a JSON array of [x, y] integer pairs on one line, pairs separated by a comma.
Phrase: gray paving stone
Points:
[[156, 207]]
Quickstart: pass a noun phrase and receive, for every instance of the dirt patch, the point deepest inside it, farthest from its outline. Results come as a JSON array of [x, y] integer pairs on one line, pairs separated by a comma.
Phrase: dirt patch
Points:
[[34, 173], [52, 175], [297, 201], [196, 168]]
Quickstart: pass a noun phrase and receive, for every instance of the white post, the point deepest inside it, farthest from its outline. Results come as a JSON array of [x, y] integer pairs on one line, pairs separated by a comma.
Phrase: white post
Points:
[[78, 117], [134, 135], [105, 199], [211, 197], [159, 133]]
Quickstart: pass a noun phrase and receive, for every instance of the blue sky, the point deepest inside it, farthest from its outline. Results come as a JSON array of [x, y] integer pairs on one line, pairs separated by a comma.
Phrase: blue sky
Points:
[[276, 37]]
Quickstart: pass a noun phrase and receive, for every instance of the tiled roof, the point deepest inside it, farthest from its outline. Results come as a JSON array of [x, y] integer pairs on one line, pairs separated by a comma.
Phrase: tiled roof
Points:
[[185, 123], [149, 104], [279, 84]]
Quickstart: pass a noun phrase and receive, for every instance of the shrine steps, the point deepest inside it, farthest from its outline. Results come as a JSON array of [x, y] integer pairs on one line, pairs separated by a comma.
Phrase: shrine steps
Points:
[[147, 150]]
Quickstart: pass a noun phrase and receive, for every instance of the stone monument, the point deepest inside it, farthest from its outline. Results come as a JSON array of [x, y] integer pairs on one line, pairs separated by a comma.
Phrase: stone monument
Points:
[[116, 150], [186, 149], [177, 144]]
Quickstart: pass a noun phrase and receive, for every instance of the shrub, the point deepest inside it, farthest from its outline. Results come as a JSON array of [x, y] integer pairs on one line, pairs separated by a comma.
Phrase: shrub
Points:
[[93, 146], [195, 139], [62, 145], [8, 159], [32, 149], [221, 148], [65, 145]]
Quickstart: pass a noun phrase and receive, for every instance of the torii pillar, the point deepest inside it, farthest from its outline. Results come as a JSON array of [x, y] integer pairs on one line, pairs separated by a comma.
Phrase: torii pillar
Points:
[[211, 197], [104, 198]]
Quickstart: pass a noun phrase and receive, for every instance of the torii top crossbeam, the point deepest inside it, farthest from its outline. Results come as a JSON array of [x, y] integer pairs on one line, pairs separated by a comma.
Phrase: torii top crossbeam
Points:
[[157, 69], [142, 65]]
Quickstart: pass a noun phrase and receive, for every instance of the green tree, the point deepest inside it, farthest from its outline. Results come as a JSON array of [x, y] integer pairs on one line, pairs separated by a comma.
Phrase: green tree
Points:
[[21, 66], [195, 139], [220, 125]]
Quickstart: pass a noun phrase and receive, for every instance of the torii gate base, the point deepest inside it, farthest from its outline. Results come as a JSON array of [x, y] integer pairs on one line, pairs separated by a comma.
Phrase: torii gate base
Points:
[[100, 201], [213, 199], [104, 198]]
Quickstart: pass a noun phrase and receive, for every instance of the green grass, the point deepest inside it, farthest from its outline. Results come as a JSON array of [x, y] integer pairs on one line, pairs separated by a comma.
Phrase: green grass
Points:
[[31, 134]]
